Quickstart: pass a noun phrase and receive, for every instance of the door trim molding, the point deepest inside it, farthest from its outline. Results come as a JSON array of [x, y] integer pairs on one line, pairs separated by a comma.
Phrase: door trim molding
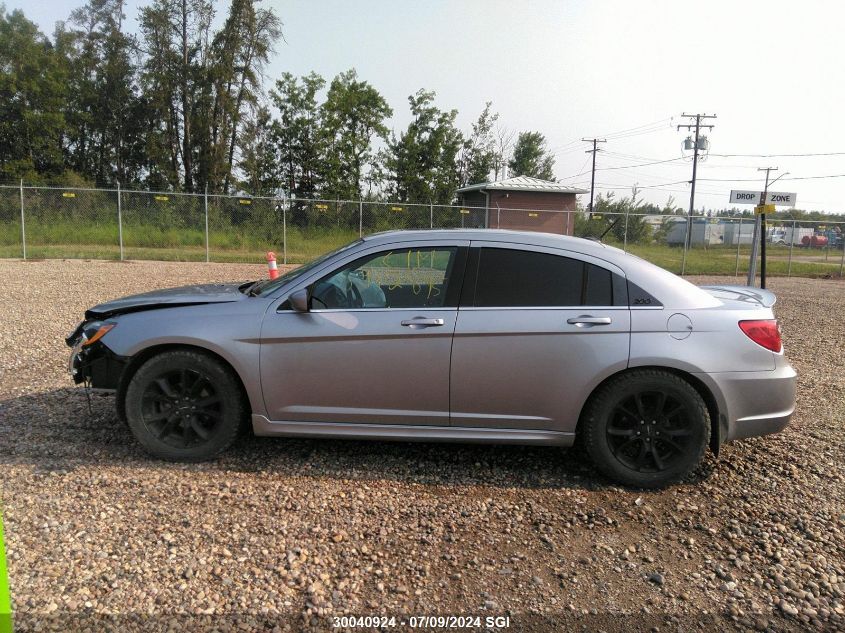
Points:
[[262, 426]]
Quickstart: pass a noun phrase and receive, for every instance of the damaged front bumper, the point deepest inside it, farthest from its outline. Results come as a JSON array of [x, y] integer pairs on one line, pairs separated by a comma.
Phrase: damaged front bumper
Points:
[[93, 363]]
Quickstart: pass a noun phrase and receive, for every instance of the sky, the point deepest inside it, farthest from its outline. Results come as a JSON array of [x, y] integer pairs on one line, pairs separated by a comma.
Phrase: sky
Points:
[[771, 72]]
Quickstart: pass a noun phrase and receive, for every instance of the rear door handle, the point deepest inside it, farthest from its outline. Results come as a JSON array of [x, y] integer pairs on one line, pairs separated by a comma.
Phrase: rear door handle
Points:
[[586, 320], [417, 323]]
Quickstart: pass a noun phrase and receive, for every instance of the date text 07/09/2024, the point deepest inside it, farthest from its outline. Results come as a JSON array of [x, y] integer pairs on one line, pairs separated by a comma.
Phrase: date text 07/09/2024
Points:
[[423, 621]]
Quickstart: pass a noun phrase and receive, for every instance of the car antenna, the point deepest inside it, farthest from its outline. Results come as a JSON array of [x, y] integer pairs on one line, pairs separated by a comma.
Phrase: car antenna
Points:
[[615, 222]]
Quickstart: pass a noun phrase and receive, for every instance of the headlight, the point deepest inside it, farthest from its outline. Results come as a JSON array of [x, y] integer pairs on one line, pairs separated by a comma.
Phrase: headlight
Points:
[[95, 331]]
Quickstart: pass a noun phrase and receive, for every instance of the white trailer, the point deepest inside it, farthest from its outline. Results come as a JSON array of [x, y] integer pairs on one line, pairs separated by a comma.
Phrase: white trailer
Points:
[[786, 235]]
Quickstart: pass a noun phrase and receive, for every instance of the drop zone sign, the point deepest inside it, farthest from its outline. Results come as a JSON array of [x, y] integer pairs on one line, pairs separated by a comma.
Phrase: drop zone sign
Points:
[[772, 197]]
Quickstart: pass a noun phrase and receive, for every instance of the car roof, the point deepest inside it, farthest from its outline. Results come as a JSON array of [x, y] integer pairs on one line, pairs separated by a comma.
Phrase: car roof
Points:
[[552, 240], [672, 290]]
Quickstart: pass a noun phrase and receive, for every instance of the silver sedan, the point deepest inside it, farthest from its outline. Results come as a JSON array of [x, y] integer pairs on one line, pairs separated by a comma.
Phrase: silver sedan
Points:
[[464, 336]]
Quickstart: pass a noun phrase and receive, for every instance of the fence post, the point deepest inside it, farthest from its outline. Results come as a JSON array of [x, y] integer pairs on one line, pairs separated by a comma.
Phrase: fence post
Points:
[[842, 261], [751, 278], [430, 214], [791, 244], [738, 243], [284, 229], [205, 209], [360, 218], [119, 222], [23, 224], [625, 235]]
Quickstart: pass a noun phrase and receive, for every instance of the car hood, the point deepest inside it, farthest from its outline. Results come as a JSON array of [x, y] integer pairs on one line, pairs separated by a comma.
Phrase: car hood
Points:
[[168, 298]]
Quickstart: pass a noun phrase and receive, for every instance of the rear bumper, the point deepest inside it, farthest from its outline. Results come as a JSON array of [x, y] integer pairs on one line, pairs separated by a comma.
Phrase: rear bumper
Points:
[[754, 402]]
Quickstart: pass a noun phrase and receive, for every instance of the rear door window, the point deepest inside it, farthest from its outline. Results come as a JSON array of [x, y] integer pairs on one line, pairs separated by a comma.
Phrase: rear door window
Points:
[[509, 278]]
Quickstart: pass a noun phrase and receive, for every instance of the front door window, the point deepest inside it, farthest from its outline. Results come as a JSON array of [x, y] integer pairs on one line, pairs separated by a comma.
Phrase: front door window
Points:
[[402, 278]]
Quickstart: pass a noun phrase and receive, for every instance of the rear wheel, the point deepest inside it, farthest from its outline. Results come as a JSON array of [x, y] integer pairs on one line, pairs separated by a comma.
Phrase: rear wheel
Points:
[[184, 406], [646, 428]]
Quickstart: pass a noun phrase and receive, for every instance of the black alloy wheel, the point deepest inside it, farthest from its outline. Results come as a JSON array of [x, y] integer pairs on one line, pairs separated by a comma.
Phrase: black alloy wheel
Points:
[[181, 408], [185, 405], [646, 428], [649, 431]]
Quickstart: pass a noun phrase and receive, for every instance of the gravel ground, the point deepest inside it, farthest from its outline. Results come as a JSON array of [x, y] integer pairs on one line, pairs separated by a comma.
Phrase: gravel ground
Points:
[[283, 534]]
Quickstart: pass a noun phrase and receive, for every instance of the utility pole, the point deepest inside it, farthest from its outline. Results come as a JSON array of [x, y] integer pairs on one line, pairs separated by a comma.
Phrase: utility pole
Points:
[[760, 229], [696, 146], [593, 151]]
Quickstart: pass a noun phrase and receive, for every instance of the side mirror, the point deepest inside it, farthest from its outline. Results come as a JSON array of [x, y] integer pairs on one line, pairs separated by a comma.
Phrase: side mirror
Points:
[[299, 300]]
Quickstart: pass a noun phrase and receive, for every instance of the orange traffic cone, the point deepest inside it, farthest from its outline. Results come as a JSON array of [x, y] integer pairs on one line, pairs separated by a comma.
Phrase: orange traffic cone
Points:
[[271, 265]]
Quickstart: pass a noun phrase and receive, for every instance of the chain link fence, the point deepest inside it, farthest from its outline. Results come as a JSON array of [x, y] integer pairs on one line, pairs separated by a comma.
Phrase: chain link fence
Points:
[[722, 245], [44, 222]]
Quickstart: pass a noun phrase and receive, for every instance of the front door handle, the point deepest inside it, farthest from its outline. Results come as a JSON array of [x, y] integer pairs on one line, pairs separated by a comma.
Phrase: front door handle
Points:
[[585, 320], [417, 323]]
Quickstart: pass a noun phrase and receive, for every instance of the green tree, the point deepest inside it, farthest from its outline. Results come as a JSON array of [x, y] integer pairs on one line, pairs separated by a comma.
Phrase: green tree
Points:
[[479, 152], [242, 49], [501, 155], [595, 225], [353, 117], [422, 162], [175, 36], [258, 161], [295, 135], [102, 127], [531, 157], [660, 233], [631, 225], [32, 92]]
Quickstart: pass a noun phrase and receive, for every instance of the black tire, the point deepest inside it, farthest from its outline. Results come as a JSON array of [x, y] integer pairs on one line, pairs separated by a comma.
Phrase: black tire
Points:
[[646, 428], [184, 406]]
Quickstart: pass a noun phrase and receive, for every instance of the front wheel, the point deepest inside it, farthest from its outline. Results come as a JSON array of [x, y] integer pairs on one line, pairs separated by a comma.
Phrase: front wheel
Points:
[[647, 428], [183, 405]]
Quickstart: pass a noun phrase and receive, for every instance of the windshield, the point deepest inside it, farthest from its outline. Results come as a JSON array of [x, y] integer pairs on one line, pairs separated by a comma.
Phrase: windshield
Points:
[[269, 285]]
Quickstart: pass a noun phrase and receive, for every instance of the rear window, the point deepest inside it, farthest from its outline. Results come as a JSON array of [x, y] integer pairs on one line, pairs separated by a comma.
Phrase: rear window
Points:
[[513, 278]]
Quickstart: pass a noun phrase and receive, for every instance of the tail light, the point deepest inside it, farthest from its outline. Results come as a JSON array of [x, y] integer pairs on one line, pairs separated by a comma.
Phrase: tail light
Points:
[[764, 333]]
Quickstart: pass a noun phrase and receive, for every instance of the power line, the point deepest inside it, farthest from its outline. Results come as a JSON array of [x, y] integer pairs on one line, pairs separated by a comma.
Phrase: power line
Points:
[[581, 171], [815, 177], [780, 155], [623, 167], [758, 179], [639, 129], [619, 156], [646, 128], [624, 156], [605, 185], [635, 134], [656, 162]]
